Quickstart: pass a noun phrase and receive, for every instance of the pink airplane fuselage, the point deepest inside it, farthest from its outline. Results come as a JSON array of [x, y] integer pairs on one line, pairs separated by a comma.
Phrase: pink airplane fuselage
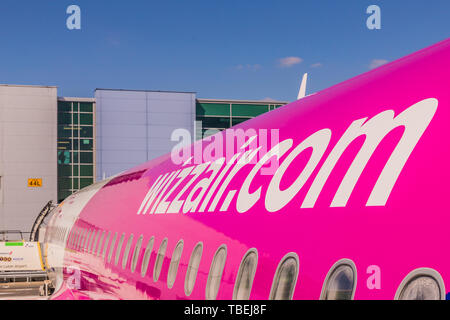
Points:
[[362, 174]]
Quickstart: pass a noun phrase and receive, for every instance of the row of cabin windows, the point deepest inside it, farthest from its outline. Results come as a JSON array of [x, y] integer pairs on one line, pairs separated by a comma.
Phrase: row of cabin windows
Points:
[[57, 234], [339, 284], [283, 284], [91, 241]]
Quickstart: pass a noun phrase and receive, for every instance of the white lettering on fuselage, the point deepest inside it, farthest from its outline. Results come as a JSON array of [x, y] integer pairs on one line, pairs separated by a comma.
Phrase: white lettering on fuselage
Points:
[[414, 119]]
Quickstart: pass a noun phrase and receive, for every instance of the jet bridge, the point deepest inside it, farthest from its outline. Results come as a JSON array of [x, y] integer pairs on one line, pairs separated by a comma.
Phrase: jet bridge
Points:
[[21, 264]]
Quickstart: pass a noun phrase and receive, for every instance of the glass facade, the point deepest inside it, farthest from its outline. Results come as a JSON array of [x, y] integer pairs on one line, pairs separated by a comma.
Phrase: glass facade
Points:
[[76, 133], [223, 114], [76, 145]]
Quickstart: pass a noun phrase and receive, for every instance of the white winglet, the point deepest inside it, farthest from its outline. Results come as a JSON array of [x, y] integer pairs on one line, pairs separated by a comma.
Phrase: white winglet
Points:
[[302, 91]]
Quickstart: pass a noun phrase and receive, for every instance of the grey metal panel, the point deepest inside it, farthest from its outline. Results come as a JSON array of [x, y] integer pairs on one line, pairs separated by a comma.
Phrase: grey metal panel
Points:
[[121, 105], [28, 148], [136, 126], [109, 131], [120, 156], [170, 119], [122, 118], [124, 143]]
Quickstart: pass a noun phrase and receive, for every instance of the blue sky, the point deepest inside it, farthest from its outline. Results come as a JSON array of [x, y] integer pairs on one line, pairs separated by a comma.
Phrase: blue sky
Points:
[[219, 49]]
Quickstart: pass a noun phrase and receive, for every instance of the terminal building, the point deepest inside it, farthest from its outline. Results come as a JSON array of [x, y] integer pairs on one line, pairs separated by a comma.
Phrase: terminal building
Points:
[[51, 147]]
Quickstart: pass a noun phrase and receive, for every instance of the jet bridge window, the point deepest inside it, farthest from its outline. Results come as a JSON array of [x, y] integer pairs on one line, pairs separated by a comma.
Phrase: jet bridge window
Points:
[[246, 274], [147, 255], [285, 278]]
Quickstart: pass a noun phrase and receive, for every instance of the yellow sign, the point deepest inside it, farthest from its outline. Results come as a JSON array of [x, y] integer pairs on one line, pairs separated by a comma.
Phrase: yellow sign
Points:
[[35, 183]]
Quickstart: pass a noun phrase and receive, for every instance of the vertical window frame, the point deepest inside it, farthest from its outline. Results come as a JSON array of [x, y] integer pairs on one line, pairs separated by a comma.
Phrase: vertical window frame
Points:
[[276, 278], [241, 270]]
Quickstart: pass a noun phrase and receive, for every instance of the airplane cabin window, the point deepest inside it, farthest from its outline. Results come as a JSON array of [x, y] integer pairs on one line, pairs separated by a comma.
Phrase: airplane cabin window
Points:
[[174, 263], [111, 248], [127, 252], [80, 239], [105, 246], [69, 240], [74, 238], [215, 273], [340, 283], [422, 284], [88, 238], [246, 274], [119, 249], [191, 274], [99, 248], [136, 252], [94, 246], [285, 278], [92, 241], [159, 260], [147, 255]]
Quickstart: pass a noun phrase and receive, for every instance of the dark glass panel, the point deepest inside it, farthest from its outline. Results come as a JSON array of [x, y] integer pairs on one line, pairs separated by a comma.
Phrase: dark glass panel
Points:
[[249, 110], [214, 122], [87, 132], [86, 118], [64, 118], [64, 144], [64, 170], [86, 144], [75, 118], [213, 109], [76, 131], [236, 121], [64, 106], [86, 171], [86, 107], [65, 183], [84, 182], [86, 157], [75, 157], [64, 132], [63, 194], [63, 157]]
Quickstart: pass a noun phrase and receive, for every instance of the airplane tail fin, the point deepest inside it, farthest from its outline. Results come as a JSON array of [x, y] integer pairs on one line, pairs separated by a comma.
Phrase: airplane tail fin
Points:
[[302, 91]]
